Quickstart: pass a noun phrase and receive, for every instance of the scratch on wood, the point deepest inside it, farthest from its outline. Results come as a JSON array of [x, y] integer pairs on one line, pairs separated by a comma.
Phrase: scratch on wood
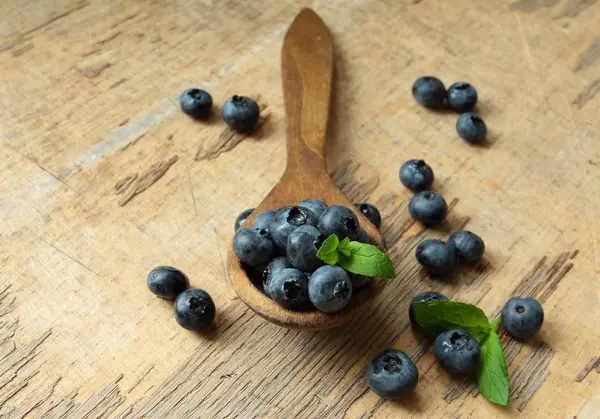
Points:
[[587, 94], [147, 179], [210, 149], [122, 185], [588, 56], [529, 6], [108, 39], [140, 379], [134, 141], [22, 50], [593, 363], [95, 69], [118, 83], [126, 19], [530, 375], [573, 8]]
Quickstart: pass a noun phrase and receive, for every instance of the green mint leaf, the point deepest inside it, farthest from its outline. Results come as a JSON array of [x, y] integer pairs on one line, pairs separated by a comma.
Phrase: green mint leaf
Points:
[[494, 325], [344, 247], [436, 317], [492, 375], [365, 259], [328, 251]]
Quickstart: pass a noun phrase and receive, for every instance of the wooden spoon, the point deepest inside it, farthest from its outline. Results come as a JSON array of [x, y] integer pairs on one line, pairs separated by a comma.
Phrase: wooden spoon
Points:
[[307, 72]]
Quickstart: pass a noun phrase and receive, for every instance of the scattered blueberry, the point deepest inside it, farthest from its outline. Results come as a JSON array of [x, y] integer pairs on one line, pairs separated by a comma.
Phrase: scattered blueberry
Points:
[[429, 207], [462, 97], [471, 127], [457, 352], [329, 288], [241, 218], [263, 220], [371, 212], [358, 281], [469, 246], [289, 288], [167, 282], [196, 103], [424, 296], [275, 265], [315, 205], [253, 246], [339, 220], [287, 220], [437, 257], [392, 375], [429, 91], [302, 246], [194, 309], [416, 175], [363, 236], [240, 113], [522, 317]]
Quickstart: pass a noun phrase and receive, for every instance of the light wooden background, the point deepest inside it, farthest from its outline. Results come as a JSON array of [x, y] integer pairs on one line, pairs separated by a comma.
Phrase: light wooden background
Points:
[[103, 178]]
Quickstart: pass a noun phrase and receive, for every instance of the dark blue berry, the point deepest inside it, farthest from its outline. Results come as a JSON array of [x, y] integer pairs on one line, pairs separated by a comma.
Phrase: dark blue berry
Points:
[[302, 246], [428, 207], [167, 282], [424, 296], [461, 97], [289, 289], [371, 212], [196, 103], [287, 220], [392, 375], [329, 288], [416, 175], [241, 218], [363, 236], [457, 352], [429, 91], [194, 309], [252, 246], [522, 317], [437, 257], [240, 113], [339, 220], [275, 265], [471, 127], [263, 220], [315, 205], [469, 246]]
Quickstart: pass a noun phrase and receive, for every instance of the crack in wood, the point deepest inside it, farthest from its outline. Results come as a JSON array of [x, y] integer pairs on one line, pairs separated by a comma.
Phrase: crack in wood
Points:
[[593, 363], [141, 183]]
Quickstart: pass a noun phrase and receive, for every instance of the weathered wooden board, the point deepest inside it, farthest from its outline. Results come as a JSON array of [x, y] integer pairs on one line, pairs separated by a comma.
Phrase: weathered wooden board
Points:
[[103, 178]]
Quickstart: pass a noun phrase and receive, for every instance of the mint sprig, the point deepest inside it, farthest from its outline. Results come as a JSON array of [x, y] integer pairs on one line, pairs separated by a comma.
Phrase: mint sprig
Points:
[[358, 258], [438, 316]]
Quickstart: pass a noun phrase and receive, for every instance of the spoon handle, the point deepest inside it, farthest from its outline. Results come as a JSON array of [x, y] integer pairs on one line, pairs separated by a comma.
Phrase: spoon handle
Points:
[[307, 73]]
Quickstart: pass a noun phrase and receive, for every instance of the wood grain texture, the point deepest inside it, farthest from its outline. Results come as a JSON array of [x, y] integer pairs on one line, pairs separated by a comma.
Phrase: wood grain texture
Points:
[[89, 105]]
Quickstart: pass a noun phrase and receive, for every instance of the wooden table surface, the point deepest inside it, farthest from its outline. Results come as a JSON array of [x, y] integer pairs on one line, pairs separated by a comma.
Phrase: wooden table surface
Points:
[[103, 178]]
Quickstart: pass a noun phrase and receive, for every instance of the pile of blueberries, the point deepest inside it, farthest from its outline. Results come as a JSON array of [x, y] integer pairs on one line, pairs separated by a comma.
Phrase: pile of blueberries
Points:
[[392, 375], [283, 244], [461, 97]]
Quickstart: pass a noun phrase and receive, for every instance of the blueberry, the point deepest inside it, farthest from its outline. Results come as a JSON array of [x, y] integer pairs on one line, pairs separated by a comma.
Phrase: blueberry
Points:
[[429, 91], [437, 257], [416, 175], [339, 220], [392, 375], [263, 220], [196, 103], [315, 205], [457, 352], [358, 281], [287, 220], [302, 246], [240, 113], [469, 246], [522, 317], [252, 246], [471, 127], [461, 96], [424, 296], [363, 236], [167, 282], [194, 309], [371, 212], [241, 218], [275, 265], [428, 207], [329, 288], [289, 289]]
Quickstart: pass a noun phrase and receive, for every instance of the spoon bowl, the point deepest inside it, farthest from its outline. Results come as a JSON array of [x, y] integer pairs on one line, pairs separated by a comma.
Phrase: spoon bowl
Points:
[[307, 73]]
